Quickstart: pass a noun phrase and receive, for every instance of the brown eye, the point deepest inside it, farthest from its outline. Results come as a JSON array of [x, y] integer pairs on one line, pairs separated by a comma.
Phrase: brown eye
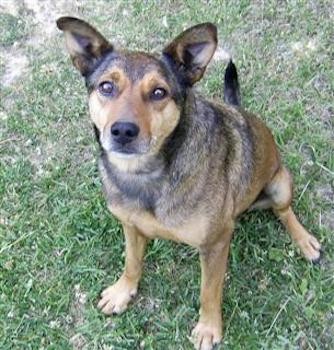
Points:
[[158, 94], [107, 88]]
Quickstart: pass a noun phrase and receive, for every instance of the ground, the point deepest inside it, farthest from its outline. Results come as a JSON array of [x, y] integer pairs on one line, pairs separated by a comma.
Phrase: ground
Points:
[[59, 247]]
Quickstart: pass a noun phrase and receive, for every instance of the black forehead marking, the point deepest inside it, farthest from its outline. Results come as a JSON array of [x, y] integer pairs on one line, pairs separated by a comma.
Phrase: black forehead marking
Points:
[[100, 67], [136, 65]]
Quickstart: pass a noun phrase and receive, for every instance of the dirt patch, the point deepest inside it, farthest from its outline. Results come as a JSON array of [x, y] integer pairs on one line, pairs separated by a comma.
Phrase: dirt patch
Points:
[[16, 65], [45, 14], [41, 20], [10, 6], [327, 336], [78, 306], [41, 156], [77, 318], [326, 194], [78, 342], [222, 55], [304, 48]]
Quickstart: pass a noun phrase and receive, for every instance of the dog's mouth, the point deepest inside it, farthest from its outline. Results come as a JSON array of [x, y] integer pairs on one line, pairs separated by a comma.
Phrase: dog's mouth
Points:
[[127, 151], [136, 148]]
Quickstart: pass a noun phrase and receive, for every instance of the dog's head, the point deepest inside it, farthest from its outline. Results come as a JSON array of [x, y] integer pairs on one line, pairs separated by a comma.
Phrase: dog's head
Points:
[[136, 99]]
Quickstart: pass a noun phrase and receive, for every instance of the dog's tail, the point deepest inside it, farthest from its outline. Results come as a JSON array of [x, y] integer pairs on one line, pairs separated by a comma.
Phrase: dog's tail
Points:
[[231, 85]]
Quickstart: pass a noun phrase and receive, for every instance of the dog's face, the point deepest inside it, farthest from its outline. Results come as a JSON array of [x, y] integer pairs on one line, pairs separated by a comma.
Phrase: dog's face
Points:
[[133, 103], [136, 99]]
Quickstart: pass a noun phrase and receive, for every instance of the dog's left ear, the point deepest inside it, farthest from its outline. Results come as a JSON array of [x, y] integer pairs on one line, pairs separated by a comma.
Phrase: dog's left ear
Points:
[[192, 50], [84, 43]]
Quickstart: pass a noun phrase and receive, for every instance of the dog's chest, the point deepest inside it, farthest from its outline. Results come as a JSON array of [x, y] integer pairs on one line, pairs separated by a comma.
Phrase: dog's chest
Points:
[[193, 231], [156, 205]]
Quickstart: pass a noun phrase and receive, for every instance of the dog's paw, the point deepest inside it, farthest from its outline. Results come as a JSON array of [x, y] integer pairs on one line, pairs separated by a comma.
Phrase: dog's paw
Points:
[[115, 299], [205, 336], [310, 247]]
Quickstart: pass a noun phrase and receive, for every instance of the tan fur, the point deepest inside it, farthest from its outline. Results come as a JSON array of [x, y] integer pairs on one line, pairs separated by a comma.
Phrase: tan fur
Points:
[[213, 241], [188, 186], [155, 120], [162, 123], [125, 289], [194, 232]]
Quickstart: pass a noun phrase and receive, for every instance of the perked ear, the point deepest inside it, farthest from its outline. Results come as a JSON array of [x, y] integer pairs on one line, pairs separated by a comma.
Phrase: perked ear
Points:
[[84, 43], [192, 50]]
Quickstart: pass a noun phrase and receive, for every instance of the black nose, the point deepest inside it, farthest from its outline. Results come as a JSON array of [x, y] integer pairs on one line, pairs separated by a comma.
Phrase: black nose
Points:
[[124, 132]]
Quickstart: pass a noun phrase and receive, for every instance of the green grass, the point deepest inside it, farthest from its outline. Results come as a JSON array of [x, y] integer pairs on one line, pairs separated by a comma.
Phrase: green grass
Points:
[[59, 247], [14, 29]]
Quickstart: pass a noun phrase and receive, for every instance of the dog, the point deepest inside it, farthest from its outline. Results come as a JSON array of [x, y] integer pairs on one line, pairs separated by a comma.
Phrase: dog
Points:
[[175, 165]]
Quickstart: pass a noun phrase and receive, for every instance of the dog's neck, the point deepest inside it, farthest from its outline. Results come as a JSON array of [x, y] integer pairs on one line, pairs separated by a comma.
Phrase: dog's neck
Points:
[[142, 185]]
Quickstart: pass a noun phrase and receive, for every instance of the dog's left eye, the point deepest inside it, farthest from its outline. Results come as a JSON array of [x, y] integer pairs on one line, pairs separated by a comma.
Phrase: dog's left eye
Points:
[[107, 88], [158, 94]]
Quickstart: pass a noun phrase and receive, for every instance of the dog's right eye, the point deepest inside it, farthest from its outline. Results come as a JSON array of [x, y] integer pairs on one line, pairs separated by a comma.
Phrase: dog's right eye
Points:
[[107, 88], [158, 94]]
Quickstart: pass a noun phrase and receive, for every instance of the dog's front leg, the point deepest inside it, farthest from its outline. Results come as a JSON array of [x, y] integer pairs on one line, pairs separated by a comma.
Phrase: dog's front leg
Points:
[[115, 299], [208, 330]]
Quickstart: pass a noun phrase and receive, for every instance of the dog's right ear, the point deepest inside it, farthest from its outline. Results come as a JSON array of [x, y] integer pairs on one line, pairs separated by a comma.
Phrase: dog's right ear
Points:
[[192, 51], [84, 43]]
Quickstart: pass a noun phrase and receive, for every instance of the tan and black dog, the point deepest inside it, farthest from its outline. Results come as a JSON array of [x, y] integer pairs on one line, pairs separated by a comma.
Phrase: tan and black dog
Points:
[[175, 165]]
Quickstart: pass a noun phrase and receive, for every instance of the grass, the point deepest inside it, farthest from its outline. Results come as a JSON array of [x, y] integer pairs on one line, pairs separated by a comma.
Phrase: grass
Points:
[[16, 29], [59, 246]]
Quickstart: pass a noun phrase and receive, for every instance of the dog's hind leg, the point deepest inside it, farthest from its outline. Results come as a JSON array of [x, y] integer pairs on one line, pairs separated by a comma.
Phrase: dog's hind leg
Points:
[[279, 190], [263, 201], [115, 299]]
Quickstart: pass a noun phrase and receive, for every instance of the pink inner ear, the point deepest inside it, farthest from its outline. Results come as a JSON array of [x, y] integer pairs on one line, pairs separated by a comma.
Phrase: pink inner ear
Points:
[[195, 49], [83, 41], [199, 54]]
